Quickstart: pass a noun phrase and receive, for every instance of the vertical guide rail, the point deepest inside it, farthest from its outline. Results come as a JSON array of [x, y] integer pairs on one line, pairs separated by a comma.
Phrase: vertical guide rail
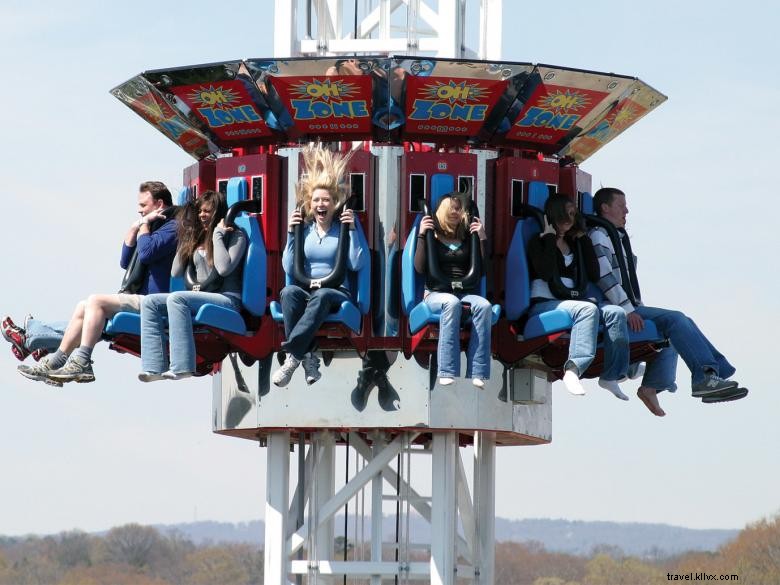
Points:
[[443, 516], [276, 508], [325, 473], [377, 445], [485, 506]]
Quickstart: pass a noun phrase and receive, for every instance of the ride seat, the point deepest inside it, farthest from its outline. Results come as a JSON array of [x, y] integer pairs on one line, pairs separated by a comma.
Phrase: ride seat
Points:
[[350, 312], [413, 284], [253, 289], [253, 294], [518, 279]]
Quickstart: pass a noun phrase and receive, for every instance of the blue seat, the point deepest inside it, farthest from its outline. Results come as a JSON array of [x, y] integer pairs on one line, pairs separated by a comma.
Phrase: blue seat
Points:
[[518, 280], [253, 289], [349, 313], [253, 294], [413, 284]]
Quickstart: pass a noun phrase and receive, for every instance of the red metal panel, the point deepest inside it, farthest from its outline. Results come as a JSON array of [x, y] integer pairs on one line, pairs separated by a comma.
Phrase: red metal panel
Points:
[[449, 107], [327, 105]]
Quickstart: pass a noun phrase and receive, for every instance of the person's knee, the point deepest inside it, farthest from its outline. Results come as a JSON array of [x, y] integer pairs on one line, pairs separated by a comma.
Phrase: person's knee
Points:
[[92, 303], [589, 310], [291, 292], [677, 318], [450, 305], [481, 305], [614, 314], [81, 307], [176, 300]]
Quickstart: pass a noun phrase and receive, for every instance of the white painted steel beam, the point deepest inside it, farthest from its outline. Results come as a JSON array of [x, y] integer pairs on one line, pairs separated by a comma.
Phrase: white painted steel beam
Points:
[[350, 489], [276, 508], [443, 517], [376, 509], [485, 506]]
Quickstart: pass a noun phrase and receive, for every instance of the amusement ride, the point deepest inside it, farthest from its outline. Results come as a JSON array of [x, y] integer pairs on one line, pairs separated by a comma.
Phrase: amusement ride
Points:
[[394, 84]]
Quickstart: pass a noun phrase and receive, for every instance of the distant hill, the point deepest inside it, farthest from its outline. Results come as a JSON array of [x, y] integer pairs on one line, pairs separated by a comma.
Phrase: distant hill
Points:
[[573, 537]]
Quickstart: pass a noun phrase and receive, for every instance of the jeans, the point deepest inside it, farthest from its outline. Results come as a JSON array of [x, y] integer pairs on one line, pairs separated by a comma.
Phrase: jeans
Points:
[[44, 335], [616, 346], [180, 307], [584, 331], [478, 351], [304, 313], [693, 347]]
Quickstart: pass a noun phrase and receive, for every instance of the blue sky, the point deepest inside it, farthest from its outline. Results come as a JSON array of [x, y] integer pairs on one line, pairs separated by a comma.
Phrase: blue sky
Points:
[[698, 176]]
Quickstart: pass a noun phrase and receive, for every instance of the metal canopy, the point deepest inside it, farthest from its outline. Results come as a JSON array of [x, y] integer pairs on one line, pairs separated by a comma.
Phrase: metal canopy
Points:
[[214, 108]]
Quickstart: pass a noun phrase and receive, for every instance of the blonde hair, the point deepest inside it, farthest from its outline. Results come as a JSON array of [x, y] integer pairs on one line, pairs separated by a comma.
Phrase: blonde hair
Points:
[[322, 169], [442, 216]]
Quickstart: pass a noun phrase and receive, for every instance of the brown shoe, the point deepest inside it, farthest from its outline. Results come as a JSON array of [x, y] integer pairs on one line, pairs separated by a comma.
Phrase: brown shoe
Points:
[[649, 397]]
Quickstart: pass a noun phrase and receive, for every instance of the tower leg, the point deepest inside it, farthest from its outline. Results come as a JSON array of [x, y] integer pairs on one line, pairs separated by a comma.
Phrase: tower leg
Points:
[[485, 506], [444, 511], [276, 508], [376, 509], [325, 482]]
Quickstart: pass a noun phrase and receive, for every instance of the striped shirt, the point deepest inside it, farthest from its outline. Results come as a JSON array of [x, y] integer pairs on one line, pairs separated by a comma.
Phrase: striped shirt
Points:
[[610, 281]]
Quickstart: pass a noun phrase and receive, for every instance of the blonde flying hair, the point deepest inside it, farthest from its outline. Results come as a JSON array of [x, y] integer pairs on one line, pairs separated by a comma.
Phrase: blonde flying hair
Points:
[[322, 169], [461, 229]]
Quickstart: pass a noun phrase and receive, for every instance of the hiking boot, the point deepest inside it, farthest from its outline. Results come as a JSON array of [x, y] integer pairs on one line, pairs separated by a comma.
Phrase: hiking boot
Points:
[[311, 367], [16, 336], [75, 369], [712, 384], [283, 375], [40, 373]]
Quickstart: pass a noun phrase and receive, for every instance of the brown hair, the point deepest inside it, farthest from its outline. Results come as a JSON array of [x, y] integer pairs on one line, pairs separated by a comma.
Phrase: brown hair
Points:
[[191, 232], [605, 196], [158, 191]]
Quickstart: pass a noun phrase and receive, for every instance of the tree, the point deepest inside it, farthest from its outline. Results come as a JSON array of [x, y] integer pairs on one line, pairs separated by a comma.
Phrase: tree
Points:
[[604, 570], [215, 565], [133, 545]]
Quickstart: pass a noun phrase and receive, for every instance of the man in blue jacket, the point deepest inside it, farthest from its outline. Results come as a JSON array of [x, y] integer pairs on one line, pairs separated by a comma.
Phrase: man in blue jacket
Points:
[[152, 239]]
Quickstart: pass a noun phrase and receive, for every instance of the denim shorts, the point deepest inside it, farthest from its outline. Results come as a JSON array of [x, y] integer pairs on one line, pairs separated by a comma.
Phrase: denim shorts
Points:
[[129, 303]]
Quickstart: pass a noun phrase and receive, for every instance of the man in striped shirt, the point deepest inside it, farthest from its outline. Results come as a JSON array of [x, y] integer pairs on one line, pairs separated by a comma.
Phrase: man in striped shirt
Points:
[[709, 368]]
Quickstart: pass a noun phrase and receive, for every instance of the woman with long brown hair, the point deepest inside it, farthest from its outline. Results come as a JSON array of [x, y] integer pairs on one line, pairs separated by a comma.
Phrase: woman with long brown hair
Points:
[[210, 256]]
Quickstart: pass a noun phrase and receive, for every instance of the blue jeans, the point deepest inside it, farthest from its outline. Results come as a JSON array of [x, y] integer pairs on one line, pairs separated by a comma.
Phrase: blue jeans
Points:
[[695, 349], [44, 335], [180, 307], [584, 332], [616, 345], [304, 313], [478, 351]]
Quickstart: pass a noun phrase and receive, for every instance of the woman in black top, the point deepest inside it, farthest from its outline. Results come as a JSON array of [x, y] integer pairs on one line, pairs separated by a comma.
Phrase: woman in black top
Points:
[[453, 253], [562, 262]]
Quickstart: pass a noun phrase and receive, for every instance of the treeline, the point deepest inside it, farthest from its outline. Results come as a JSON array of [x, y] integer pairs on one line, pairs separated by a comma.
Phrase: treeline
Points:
[[139, 555], [126, 555]]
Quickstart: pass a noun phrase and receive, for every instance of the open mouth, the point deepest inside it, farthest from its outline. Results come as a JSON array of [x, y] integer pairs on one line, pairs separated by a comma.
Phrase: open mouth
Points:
[[321, 213]]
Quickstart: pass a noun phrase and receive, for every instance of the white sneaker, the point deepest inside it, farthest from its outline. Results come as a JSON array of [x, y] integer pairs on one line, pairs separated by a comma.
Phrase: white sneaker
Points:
[[446, 381], [613, 387], [478, 382], [169, 375], [283, 375], [311, 367], [572, 383], [150, 377]]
